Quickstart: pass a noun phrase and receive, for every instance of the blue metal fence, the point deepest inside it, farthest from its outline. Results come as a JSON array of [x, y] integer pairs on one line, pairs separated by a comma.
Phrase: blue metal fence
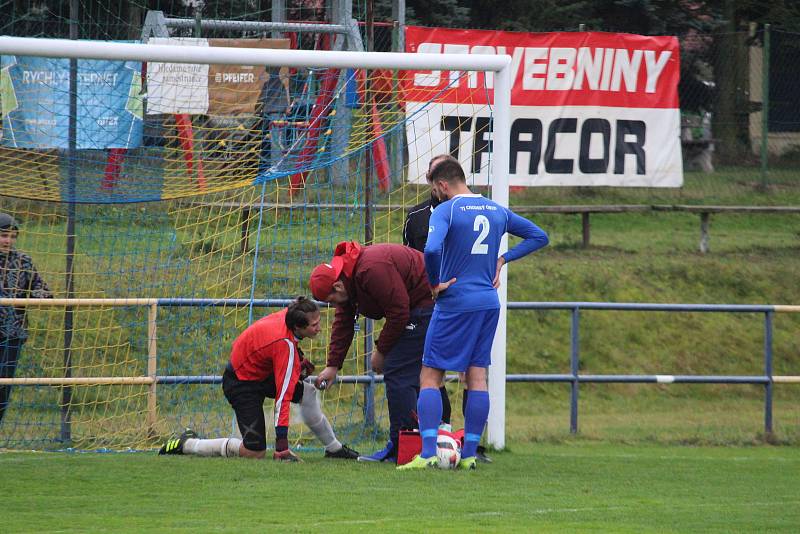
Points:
[[574, 378]]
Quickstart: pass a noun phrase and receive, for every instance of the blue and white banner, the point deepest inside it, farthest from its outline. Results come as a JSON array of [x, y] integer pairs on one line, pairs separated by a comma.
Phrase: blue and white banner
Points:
[[35, 101]]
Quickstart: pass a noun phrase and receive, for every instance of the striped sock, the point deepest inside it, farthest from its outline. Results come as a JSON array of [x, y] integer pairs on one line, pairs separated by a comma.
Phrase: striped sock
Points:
[[429, 409], [474, 420]]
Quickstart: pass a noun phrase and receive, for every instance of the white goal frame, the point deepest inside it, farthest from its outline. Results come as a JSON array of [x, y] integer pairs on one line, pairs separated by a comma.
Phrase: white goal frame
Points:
[[500, 65]]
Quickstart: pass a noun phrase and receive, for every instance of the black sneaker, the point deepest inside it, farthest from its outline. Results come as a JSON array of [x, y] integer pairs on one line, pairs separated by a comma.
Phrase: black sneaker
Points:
[[345, 453], [175, 446], [480, 455]]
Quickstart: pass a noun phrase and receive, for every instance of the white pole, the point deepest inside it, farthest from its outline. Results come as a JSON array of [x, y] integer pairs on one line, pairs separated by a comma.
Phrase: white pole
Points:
[[28, 46], [501, 133]]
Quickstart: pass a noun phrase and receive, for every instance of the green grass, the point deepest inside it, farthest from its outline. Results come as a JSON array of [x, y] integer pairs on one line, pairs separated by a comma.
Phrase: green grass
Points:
[[168, 249], [575, 486]]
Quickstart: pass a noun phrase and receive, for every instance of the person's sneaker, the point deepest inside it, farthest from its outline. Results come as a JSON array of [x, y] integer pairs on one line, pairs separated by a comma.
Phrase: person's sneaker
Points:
[[286, 456], [175, 446], [421, 463], [481, 455], [345, 453], [387, 454], [469, 464]]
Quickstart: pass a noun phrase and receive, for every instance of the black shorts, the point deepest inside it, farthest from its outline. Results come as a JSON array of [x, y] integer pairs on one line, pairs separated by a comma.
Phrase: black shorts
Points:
[[247, 399]]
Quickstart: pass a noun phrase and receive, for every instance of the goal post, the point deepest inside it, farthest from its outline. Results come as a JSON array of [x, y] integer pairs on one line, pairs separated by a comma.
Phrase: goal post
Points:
[[229, 230]]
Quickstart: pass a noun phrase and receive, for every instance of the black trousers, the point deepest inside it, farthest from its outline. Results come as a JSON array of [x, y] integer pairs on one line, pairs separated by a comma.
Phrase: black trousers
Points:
[[9, 354], [401, 369], [247, 400]]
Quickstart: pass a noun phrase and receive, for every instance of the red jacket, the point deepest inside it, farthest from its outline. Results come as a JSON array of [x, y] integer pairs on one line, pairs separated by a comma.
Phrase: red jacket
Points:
[[267, 347], [388, 281]]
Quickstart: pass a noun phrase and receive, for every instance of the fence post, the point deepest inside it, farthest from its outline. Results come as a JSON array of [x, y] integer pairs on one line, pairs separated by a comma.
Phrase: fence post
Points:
[[768, 373], [245, 227], [152, 367], [69, 282], [704, 224], [369, 388], [574, 365], [198, 20], [586, 228], [369, 208], [765, 109], [396, 139]]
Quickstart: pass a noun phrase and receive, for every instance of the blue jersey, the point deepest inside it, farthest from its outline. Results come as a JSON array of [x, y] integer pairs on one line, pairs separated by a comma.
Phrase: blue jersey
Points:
[[464, 237]]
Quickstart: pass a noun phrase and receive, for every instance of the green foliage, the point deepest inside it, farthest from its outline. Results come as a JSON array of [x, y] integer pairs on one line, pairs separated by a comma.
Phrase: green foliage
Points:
[[535, 15], [438, 13]]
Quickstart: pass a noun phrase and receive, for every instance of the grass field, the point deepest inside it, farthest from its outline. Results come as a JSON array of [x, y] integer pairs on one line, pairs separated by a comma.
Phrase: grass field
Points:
[[573, 486], [648, 458]]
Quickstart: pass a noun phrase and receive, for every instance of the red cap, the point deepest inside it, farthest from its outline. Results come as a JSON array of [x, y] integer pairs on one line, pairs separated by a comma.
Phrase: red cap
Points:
[[323, 276]]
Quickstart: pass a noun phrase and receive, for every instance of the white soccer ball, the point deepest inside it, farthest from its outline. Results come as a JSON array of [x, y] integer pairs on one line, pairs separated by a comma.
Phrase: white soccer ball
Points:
[[447, 452]]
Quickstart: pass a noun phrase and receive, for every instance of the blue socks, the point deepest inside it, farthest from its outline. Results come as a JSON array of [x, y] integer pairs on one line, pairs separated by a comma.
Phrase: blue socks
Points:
[[475, 416], [429, 411]]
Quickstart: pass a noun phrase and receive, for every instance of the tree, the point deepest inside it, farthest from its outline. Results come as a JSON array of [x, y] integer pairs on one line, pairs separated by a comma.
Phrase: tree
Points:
[[441, 13], [531, 15]]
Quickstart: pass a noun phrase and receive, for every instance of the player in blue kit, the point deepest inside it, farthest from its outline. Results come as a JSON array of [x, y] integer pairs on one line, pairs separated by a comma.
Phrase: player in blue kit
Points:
[[463, 265]]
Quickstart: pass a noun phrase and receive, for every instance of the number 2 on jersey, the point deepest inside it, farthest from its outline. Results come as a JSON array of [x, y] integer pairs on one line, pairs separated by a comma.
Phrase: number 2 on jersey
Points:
[[481, 225]]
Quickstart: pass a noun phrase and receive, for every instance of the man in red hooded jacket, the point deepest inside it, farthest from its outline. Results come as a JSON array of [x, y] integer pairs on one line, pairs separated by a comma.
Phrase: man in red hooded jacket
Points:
[[379, 281]]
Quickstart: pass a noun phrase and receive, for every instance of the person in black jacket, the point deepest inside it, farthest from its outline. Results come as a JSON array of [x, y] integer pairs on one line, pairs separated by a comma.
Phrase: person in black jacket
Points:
[[415, 235], [415, 229], [18, 279]]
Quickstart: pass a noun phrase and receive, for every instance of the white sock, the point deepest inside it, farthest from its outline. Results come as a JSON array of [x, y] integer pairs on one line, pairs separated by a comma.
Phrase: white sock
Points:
[[226, 447], [313, 417], [231, 449]]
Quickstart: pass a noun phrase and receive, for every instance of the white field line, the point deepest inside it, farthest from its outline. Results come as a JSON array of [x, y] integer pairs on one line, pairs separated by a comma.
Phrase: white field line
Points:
[[548, 511], [737, 504], [672, 458]]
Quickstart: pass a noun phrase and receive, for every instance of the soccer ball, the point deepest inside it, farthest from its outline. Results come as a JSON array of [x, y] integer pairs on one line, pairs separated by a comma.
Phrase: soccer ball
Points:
[[447, 452]]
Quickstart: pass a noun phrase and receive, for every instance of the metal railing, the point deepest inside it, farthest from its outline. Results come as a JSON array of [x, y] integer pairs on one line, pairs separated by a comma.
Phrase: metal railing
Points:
[[574, 377]]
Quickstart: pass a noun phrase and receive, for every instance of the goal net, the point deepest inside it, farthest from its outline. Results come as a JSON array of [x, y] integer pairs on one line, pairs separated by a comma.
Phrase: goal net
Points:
[[170, 194]]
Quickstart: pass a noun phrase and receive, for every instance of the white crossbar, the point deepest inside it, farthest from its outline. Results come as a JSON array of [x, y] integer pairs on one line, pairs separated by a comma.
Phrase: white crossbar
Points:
[[64, 48]]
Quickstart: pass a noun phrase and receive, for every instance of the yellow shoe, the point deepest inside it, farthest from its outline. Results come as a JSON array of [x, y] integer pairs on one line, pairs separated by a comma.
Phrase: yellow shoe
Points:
[[470, 463], [420, 463]]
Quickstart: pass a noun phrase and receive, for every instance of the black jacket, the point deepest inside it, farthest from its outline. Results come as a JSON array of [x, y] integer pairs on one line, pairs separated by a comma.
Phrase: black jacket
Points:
[[415, 229]]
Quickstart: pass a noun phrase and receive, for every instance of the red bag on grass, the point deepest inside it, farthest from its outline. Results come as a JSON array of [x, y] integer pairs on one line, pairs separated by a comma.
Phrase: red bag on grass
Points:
[[411, 443]]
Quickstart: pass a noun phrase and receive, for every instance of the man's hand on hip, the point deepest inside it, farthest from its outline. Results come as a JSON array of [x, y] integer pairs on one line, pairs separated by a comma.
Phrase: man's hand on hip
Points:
[[500, 262], [441, 287]]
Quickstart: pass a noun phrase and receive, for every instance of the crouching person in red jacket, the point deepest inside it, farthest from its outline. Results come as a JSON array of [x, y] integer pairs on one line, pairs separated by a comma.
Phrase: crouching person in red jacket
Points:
[[266, 361]]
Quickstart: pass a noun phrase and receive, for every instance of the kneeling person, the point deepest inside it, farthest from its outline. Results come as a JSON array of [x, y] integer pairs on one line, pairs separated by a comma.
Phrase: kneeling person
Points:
[[266, 361]]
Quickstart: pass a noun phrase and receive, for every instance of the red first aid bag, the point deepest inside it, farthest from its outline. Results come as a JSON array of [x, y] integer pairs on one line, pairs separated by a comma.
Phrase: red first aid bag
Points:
[[411, 443]]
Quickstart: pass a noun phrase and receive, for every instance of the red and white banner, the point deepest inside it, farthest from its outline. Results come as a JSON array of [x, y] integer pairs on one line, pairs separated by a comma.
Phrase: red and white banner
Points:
[[587, 108]]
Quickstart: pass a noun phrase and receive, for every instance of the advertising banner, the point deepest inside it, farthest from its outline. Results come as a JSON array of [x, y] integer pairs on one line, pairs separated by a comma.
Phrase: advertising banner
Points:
[[177, 87], [587, 108], [35, 100], [208, 89]]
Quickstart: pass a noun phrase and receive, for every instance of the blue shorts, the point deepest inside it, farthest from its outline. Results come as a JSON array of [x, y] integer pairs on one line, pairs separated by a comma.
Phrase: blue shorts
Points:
[[459, 340]]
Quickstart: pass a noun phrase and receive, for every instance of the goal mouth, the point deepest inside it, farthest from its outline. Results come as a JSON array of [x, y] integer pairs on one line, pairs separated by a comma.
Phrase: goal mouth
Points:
[[167, 210]]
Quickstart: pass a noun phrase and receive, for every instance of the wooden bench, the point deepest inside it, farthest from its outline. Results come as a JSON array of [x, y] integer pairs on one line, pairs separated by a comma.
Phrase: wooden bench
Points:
[[585, 211], [704, 212]]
